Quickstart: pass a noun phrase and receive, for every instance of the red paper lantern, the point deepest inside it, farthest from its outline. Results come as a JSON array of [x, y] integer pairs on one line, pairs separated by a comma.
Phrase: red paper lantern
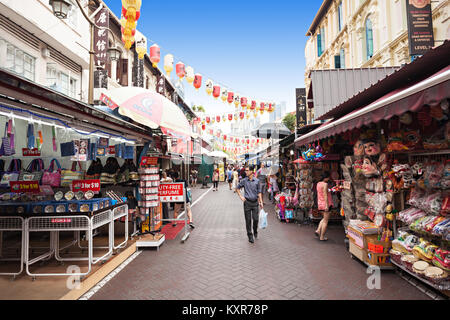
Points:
[[216, 91], [155, 55], [218, 118], [197, 81], [230, 97], [180, 70], [230, 117], [244, 102], [225, 137], [208, 120], [253, 105], [203, 127], [242, 115]]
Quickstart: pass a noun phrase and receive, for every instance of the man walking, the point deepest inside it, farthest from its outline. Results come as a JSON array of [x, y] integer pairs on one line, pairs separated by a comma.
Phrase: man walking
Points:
[[252, 195], [230, 177], [261, 174]]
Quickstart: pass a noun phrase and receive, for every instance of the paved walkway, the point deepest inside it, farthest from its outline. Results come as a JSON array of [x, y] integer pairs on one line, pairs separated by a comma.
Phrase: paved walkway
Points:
[[217, 262]]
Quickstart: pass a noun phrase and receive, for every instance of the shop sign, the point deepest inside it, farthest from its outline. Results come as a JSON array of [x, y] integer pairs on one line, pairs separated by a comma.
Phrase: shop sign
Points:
[[109, 103], [171, 192], [161, 85], [86, 185], [149, 161], [138, 71], [300, 94], [25, 186], [101, 38], [420, 26], [31, 152]]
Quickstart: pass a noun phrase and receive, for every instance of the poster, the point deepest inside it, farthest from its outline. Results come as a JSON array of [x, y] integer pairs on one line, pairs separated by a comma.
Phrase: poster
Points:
[[81, 150], [420, 26]]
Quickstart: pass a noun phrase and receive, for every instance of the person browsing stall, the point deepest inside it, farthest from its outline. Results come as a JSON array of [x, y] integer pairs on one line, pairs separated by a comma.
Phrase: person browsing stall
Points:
[[252, 196]]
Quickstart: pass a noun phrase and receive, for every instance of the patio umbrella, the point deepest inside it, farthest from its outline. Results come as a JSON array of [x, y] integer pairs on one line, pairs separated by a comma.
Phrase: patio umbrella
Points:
[[272, 130], [148, 108]]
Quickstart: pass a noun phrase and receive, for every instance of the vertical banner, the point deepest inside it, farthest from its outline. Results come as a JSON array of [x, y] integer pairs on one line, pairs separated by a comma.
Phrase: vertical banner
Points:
[[161, 85], [101, 38], [300, 94], [420, 26], [138, 71]]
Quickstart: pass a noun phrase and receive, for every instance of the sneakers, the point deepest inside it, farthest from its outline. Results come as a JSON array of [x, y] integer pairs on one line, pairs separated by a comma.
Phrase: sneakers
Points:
[[251, 240], [191, 225]]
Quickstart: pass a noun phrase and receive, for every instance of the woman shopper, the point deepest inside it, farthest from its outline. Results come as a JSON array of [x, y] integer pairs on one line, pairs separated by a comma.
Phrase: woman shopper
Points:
[[324, 203], [178, 205], [273, 187], [215, 180]]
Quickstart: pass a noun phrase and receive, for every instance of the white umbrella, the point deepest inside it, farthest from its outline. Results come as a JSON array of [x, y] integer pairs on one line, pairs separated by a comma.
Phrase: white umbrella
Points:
[[148, 108], [218, 154]]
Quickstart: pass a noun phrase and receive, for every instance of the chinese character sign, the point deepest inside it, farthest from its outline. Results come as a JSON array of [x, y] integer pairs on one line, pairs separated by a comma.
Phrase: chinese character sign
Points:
[[161, 85], [301, 107], [101, 38]]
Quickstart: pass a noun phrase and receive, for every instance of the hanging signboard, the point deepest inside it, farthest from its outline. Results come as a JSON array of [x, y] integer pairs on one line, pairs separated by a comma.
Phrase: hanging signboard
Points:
[[300, 94], [101, 38], [138, 71], [420, 26], [86, 185], [149, 161], [31, 152], [24, 186], [171, 192], [161, 85]]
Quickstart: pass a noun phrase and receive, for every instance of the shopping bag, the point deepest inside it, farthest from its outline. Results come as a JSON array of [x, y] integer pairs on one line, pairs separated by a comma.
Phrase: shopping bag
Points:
[[51, 176], [12, 174], [67, 176], [33, 172], [262, 219]]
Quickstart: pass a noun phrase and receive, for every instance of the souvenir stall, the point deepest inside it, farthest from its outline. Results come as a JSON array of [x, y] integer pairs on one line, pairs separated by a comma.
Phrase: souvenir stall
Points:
[[66, 179]]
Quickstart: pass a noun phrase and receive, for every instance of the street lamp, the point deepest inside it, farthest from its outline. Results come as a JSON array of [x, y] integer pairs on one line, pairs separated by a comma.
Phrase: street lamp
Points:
[[60, 9]]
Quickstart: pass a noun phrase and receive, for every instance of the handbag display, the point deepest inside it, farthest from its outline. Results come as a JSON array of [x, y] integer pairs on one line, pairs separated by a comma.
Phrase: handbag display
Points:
[[52, 177], [110, 171], [7, 147], [67, 176], [33, 172], [12, 174], [95, 170]]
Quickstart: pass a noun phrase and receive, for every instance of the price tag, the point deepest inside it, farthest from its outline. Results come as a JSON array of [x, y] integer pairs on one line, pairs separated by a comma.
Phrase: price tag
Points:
[[25, 186], [31, 152], [149, 161], [86, 185]]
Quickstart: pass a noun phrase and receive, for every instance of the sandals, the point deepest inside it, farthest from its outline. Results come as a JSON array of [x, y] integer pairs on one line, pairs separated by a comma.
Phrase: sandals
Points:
[[324, 239], [316, 234]]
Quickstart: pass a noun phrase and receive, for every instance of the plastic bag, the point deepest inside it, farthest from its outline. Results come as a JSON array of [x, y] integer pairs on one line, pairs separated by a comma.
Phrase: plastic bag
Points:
[[262, 219]]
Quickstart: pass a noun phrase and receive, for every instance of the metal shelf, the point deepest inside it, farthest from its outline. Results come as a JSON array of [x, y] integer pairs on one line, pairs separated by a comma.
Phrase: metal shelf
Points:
[[440, 287]]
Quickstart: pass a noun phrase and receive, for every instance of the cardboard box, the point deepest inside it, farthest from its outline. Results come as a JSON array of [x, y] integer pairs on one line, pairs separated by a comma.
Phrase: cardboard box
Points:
[[378, 259], [372, 244]]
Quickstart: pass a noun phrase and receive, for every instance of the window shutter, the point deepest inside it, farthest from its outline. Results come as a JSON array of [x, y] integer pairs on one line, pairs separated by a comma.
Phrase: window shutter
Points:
[[124, 75], [108, 68], [119, 71], [337, 62], [319, 45]]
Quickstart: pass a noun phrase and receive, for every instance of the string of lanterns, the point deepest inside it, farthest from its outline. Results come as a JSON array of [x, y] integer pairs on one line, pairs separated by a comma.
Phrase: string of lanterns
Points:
[[196, 80], [130, 15]]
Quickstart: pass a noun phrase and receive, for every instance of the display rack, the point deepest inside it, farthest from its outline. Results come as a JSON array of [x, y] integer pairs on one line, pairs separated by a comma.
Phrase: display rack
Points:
[[148, 189], [12, 224]]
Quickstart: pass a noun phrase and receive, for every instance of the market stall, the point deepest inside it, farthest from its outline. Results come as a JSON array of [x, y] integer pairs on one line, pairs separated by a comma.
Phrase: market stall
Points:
[[67, 180]]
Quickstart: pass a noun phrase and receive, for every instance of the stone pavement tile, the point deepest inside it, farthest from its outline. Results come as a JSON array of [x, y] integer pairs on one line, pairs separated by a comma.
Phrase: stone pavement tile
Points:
[[218, 262]]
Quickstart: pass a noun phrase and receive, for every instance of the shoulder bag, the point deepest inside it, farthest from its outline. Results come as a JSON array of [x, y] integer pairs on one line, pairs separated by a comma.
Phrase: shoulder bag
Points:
[[12, 174], [33, 172], [67, 176], [52, 177]]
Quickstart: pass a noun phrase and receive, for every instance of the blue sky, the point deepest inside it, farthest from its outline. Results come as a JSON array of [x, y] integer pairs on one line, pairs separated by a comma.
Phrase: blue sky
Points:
[[254, 47]]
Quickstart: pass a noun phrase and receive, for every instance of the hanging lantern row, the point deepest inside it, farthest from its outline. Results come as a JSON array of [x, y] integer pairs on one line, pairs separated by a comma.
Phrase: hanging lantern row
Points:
[[130, 15], [196, 80]]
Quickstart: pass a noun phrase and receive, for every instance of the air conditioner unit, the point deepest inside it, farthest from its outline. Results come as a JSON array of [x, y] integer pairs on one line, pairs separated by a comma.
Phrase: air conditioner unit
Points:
[[45, 52]]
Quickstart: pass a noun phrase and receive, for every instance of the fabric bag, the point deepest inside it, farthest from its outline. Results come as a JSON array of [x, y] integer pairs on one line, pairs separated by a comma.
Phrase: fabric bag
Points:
[[262, 224], [33, 172], [128, 152], [95, 170], [12, 174], [5, 149], [52, 177], [67, 149], [67, 176]]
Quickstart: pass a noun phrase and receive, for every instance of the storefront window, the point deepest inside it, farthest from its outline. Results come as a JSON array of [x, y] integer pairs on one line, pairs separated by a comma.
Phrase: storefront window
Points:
[[340, 21], [64, 78], [51, 77], [73, 88], [19, 62]]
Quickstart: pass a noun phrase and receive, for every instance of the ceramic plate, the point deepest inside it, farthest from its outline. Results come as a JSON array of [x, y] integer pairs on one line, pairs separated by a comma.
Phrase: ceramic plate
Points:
[[79, 195], [59, 195], [69, 195], [89, 195]]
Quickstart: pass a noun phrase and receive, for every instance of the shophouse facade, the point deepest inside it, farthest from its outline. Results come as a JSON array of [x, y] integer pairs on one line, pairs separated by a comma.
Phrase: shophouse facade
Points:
[[365, 34]]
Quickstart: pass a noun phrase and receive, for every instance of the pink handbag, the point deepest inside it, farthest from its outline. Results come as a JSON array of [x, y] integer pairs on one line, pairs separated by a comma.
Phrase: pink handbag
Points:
[[51, 176]]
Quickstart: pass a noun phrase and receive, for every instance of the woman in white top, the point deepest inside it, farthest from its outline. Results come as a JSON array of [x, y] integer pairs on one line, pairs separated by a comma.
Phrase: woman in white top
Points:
[[165, 206]]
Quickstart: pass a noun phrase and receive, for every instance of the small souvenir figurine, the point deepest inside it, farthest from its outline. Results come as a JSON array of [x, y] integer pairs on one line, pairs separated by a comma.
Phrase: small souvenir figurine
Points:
[[358, 149]]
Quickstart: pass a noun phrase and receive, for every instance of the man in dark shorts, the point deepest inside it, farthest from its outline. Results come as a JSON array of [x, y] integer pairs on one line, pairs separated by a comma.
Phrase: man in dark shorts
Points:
[[252, 196]]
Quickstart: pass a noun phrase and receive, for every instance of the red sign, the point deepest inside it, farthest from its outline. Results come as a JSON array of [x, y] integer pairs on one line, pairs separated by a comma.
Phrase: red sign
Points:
[[171, 192], [25, 186], [31, 152], [149, 161], [111, 150], [86, 185]]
